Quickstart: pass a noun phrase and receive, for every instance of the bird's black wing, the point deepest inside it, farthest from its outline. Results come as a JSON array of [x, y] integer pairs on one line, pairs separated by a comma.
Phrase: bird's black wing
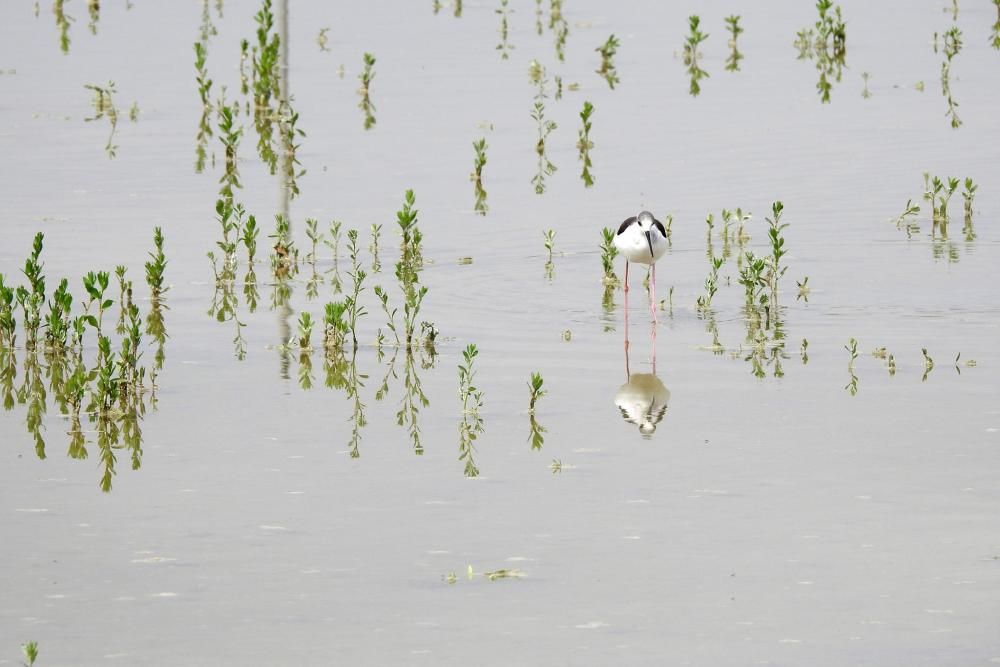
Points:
[[659, 225], [624, 225]]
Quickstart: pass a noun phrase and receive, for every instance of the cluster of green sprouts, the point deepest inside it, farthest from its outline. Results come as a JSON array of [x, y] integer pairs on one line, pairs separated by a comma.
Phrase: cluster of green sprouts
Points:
[[112, 391], [938, 193], [760, 277], [607, 69], [826, 44], [692, 55], [471, 425]]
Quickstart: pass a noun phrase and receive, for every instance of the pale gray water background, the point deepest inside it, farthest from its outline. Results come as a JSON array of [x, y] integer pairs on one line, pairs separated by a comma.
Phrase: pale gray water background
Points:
[[776, 521]]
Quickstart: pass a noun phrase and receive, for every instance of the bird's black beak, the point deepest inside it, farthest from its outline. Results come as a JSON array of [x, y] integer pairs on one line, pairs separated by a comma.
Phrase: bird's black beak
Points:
[[649, 240]]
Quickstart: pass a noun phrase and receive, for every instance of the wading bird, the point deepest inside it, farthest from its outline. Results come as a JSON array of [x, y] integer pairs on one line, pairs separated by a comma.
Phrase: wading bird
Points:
[[643, 240]]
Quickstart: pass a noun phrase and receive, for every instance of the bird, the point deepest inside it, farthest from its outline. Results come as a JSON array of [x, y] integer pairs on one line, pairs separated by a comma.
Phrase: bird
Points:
[[642, 239], [643, 401]]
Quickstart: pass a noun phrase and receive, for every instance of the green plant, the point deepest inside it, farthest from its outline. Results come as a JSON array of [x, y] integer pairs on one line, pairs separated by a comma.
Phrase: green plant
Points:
[[334, 242], [477, 175], [357, 275], [969, 196], [504, 47], [366, 77], [941, 194], [691, 54], [545, 128], [265, 84], [607, 69], [711, 283], [322, 39], [952, 47], [204, 93], [774, 233], [827, 45], [315, 237], [229, 135], [584, 144], [390, 314], [96, 284], [995, 34], [156, 267], [8, 323], [535, 389], [608, 254], [560, 26], [62, 23], [471, 425], [911, 227], [549, 236], [104, 106], [30, 651], [733, 26], [928, 364], [32, 298], [289, 132], [284, 258], [335, 325], [249, 239], [406, 218], [852, 349], [865, 93], [305, 331]]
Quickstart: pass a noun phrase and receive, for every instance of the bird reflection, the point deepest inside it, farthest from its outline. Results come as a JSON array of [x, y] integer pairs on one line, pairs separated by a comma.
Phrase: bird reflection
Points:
[[643, 398]]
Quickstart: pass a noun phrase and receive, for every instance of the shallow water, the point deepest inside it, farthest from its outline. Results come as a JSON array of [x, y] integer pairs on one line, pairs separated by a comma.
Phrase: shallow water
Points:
[[775, 520]]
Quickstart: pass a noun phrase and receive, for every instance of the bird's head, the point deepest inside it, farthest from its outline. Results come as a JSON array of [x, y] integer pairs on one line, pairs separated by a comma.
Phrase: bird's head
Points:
[[645, 220]]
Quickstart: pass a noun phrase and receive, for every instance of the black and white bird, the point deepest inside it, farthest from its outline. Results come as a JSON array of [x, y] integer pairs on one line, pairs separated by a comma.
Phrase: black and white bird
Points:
[[642, 239], [643, 401]]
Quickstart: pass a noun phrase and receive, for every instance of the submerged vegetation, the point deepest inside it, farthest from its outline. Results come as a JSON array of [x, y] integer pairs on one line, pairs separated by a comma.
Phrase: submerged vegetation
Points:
[[477, 175], [340, 313], [366, 77], [584, 144], [504, 47], [607, 69], [537, 75], [826, 44], [112, 390], [952, 47], [471, 426], [692, 55], [735, 30], [104, 107]]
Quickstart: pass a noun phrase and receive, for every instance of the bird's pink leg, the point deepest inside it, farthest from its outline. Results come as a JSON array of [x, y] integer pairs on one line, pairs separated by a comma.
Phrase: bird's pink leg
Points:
[[626, 317], [652, 292]]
